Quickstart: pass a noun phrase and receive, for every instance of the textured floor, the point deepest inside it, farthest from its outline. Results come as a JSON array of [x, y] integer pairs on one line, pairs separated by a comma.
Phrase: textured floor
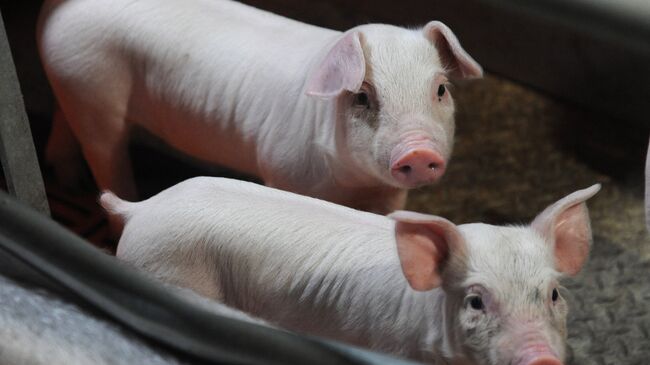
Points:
[[609, 322]]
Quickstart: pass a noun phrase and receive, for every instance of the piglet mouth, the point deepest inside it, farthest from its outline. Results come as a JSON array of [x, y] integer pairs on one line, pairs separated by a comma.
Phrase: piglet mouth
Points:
[[416, 162]]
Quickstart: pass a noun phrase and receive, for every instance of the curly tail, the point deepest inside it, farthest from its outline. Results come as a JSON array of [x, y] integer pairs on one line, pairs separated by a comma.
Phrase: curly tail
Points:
[[115, 206]]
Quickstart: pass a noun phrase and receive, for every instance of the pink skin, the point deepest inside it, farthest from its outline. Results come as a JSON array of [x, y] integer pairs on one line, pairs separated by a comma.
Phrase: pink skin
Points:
[[416, 162]]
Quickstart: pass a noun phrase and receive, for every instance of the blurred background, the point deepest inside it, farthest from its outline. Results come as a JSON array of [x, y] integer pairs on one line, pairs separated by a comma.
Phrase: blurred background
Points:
[[562, 106]]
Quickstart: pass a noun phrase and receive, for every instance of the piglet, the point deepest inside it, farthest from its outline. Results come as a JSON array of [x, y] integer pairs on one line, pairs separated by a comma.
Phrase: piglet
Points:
[[355, 117], [409, 284]]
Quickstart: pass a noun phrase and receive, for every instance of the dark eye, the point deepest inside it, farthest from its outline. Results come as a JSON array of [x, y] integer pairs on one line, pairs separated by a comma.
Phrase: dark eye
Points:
[[362, 99], [555, 295], [441, 90], [476, 303]]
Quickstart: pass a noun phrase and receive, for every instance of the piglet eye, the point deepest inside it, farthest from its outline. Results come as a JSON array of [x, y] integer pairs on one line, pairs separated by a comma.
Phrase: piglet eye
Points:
[[476, 303], [361, 99], [555, 295], [441, 90]]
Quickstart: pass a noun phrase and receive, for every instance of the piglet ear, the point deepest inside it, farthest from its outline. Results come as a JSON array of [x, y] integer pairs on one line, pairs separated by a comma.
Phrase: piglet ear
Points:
[[424, 243], [566, 224], [453, 57], [343, 68]]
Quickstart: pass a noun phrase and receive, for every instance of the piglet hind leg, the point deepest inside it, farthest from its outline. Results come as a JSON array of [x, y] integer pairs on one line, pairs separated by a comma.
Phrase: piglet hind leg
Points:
[[63, 155], [103, 137], [118, 167], [111, 167]]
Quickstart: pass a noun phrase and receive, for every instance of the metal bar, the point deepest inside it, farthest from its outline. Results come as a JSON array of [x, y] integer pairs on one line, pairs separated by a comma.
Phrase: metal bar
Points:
[[647, 189], [17, 152]]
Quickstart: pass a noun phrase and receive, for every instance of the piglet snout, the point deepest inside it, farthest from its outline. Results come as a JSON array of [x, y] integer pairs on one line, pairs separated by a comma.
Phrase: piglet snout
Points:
[[417, 166], [538, 353], [545, 360]]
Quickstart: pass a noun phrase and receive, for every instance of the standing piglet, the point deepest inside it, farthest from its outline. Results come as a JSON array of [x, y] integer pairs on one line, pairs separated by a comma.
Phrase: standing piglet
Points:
[[355, 117], [410, 284]]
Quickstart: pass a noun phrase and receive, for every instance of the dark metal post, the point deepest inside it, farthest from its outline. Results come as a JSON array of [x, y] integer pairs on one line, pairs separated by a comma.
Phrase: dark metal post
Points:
[[17, 152], [647, 189]]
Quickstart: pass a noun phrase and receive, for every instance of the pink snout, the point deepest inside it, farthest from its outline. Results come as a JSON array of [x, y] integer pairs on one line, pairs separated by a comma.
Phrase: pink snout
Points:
[[538, 354], [545, 360], [418, 166]]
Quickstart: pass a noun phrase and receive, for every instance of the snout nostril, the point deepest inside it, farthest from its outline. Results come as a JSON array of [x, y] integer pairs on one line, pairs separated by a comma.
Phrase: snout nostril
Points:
[[433, 166], [405, 169]]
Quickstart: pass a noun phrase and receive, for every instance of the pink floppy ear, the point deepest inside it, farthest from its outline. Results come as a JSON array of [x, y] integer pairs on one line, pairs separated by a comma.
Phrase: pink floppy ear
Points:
[[424, 243], [343, 68], [453, 57], [566, 224]]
